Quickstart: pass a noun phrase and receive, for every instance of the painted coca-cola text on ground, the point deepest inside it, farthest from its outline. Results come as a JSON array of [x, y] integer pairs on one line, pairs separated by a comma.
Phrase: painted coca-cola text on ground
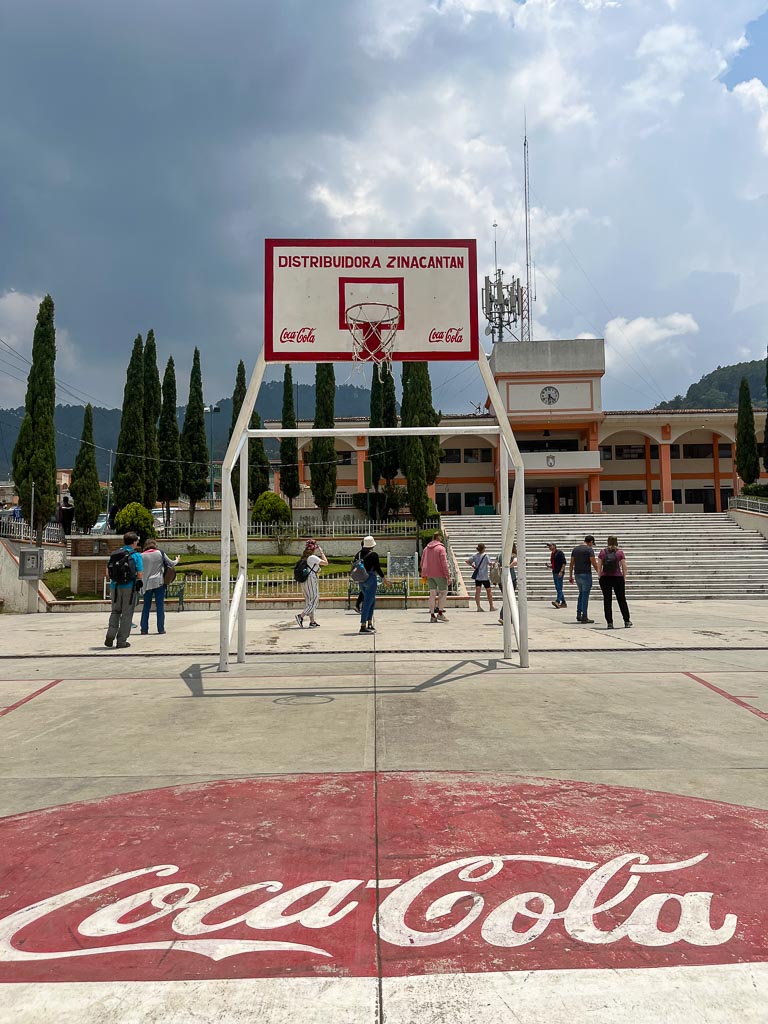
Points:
[[276, 877]]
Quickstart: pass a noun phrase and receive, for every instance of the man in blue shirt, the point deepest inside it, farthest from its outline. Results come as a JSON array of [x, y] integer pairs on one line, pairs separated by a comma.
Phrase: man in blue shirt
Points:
[[125, 597]]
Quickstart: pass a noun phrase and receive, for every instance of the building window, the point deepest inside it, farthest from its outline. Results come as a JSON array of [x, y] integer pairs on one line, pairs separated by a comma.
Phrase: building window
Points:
[[674, 451], [606, 497], [440, 502], [654, 451], [697, 451], [450, 455], [478, 455], [606, 452], [677, 496], [344, 458], [478, 498], [630, 451], [724, 451], [694, 496], [631, 498], [656, 497]]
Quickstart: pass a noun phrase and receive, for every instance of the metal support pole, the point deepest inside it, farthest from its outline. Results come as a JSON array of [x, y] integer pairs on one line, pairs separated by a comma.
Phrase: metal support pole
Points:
[[242, 566], [241, 427], [504, 502]]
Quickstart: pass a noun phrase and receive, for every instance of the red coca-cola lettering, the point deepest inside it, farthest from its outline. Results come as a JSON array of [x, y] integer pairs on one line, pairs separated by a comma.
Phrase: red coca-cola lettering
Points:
[[302, 336], [450, 336], [241, 902]]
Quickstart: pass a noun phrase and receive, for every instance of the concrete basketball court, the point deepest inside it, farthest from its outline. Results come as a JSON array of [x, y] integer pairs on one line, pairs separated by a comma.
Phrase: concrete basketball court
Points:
[[312, 795]]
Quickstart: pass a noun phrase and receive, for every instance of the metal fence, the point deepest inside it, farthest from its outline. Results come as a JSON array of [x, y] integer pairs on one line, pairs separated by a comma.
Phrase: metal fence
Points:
[[746, 504], [18, 529], [308, 528], [278, 585]]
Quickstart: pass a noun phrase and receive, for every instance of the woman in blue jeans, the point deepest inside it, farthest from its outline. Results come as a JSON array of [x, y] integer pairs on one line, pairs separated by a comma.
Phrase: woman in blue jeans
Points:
[[370, 559], [155, 562]]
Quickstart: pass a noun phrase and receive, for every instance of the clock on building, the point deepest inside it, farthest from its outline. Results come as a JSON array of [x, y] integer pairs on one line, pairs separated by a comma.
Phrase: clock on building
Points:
[[549, 395]]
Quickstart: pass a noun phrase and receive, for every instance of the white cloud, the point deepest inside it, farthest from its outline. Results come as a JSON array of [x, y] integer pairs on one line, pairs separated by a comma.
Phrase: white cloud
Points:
[[655, 353], [754, 96]]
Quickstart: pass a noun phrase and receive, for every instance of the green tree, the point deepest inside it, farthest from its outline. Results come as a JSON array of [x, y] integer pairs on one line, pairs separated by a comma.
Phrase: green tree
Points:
[[128, 471], [169, 445], [34, 454], [418, 500], [747, 460], [418, 411], [390, 461], [322, 452], [376, 445], [137, 518], [270, 508], [152, 407], [194, 448], [289, 446], [258, 462], [238, 397], [85, 488]]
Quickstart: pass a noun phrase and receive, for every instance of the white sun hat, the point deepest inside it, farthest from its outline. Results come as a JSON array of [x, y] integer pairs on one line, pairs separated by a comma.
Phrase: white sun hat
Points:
[[369, 542]]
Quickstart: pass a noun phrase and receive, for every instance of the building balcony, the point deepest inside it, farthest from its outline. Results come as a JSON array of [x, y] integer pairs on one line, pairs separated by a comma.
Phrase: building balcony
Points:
[[562, 462]]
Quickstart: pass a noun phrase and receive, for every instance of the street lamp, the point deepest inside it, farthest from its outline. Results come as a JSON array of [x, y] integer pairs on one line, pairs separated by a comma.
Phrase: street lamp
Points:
[[211, 409]]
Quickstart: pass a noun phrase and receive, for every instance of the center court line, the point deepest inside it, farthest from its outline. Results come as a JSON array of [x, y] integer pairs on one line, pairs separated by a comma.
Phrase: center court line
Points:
[[31, 696], [728, 696]]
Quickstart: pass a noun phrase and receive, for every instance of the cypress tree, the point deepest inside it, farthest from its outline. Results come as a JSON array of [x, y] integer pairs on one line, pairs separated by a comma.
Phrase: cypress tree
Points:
[[376, 445], [238, 397], [389, 461], [34, 454], [322, 452], [85, 488], [747, 460], [128, 472], [169, 446], [289, 446], [417, 480], [421, 389], [258, 462], [194, 447], [405, 417], [152, 407]]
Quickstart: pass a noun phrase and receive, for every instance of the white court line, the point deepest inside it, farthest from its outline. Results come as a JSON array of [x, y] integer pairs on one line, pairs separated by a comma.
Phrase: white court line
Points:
[[668, 995]]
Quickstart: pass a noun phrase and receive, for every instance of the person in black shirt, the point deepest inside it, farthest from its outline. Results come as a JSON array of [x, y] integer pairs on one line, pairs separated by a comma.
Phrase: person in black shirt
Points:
[[580, 569], [370, 559], [557, 564]]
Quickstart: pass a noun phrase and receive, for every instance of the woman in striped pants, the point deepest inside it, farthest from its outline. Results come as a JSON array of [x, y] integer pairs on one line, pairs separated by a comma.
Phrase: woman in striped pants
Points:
[[314, 557]]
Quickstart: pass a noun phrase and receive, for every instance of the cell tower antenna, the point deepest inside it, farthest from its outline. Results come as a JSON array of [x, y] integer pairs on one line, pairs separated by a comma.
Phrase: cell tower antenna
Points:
[[525, 334], [495, 251]]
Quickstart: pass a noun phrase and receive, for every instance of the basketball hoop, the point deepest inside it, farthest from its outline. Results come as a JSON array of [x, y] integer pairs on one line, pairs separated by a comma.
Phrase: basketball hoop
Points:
[[373, 326]]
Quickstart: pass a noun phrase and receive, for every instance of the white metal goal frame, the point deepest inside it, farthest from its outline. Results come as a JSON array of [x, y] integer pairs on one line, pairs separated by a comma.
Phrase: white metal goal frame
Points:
[[234, 513]]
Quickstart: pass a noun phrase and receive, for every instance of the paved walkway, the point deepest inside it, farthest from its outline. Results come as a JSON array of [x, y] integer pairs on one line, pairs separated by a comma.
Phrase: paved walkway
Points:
[[397, 827]]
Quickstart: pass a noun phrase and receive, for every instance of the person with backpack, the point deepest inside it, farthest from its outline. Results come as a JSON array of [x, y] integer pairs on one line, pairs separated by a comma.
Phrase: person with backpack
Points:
[[305, 572], [156, 565], [612, 566], [366, 572], [125, 569], [557, 565], [434, 566], [481, 576]]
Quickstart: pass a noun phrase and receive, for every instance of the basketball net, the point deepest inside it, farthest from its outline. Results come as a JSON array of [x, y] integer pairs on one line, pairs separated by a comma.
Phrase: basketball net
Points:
[[373, 326]]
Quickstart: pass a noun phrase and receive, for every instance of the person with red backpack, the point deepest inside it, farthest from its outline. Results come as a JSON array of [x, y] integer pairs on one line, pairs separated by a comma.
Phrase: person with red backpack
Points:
[[612, 565]]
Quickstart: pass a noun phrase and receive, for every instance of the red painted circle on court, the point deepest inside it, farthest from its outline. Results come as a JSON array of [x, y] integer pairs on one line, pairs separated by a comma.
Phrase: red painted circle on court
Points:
[[280, 876]]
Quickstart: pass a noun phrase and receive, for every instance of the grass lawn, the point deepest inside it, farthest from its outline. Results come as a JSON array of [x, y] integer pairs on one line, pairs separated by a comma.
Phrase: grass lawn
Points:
[[258, 565], [58, 582]]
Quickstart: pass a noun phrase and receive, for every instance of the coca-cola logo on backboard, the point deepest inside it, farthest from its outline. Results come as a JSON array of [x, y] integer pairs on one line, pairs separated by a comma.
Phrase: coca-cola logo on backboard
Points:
[[446, 336], [276, 876], [300, 336]]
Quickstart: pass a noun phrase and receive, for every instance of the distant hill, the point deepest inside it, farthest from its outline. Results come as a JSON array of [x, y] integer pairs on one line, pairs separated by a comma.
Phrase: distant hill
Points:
[[720, 388], [350, 401]]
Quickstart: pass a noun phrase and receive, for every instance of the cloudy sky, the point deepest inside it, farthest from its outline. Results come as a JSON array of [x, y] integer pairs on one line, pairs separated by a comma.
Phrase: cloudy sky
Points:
[[146, 150]]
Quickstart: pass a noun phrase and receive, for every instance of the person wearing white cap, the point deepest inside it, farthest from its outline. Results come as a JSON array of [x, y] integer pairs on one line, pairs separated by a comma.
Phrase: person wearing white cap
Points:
[[369, 558]]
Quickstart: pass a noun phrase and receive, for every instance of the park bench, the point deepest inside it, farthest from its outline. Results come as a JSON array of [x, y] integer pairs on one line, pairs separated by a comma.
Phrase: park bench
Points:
[[175, 591], [395, 588]]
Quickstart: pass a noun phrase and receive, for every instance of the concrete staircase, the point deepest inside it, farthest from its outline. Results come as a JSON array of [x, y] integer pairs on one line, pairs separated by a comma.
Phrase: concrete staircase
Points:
[[684, 557]]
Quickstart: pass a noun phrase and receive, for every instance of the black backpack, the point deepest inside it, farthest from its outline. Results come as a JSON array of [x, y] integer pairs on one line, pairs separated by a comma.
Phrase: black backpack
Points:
[[121, 567], [301, 571], [611, 563]]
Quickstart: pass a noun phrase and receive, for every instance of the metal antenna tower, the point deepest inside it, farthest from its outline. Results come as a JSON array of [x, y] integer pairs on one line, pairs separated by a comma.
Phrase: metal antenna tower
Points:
[[525, 332]]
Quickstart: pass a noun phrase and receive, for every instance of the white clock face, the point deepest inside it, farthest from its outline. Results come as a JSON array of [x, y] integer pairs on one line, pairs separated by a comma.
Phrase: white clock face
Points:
[[549, 395]]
